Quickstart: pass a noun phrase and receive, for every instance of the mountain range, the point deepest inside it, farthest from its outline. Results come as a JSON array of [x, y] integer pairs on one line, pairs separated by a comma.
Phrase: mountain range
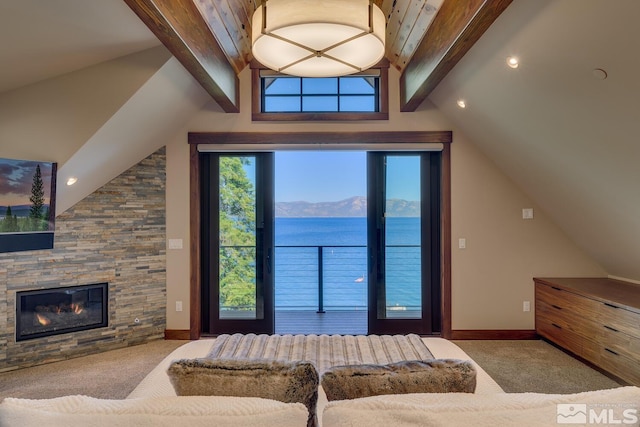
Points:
[[19, 211], [352, 207]]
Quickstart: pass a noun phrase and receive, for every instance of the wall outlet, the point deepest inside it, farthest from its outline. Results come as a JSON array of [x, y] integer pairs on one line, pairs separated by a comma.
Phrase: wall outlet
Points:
[[178, 305], [526, 306], [462, 243], [527, 213], [175, 243]]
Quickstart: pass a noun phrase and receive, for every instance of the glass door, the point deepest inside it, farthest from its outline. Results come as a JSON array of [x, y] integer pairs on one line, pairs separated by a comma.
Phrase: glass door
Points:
[[404, 242], [238, 236]]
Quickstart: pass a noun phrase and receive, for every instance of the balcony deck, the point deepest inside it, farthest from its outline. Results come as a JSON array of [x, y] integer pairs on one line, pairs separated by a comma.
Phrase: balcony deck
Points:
[[331, 322]]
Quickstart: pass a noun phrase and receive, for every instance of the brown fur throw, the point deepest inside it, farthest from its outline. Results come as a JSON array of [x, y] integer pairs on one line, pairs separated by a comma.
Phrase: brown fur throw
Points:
[[287, 382], [430, 376]]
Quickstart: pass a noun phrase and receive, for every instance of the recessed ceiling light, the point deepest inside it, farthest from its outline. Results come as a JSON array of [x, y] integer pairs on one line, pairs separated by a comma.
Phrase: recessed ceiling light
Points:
[[72, 180], [512, 62], [462, 103]]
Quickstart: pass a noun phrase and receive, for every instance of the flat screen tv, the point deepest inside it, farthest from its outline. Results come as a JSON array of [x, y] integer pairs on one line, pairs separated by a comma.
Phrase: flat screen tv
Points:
[[27, 205]]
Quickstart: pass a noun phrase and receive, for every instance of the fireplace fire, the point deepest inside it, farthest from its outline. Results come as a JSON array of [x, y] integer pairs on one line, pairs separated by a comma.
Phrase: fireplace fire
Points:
[[56, 311]]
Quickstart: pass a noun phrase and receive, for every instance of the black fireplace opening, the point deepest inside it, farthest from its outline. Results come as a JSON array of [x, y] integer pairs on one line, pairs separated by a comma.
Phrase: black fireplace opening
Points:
[[46, 312]]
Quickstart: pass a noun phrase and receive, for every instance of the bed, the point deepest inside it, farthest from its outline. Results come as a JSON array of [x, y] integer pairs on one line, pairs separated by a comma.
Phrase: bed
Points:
[[155, 403], [158, 384]]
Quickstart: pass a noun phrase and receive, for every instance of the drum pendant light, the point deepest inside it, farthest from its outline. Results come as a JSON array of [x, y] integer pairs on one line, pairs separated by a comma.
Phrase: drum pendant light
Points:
[[318, 38]]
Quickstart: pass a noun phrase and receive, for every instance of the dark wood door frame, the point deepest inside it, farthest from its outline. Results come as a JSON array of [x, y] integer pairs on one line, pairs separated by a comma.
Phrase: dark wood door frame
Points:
[[371, 139]]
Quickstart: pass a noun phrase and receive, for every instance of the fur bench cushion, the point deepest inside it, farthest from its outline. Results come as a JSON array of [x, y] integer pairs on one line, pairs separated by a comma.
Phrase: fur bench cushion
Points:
[[430, 376], [288, 382]]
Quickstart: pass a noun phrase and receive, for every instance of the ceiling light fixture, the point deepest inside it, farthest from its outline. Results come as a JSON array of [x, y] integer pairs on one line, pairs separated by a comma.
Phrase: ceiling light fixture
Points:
[[72, 180], [513, 62], [462, 103], [311, 38]]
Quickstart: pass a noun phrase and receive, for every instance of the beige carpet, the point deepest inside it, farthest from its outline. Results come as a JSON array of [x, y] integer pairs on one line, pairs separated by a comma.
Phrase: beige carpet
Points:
[[109, 375], [534, 366], [518, 366]]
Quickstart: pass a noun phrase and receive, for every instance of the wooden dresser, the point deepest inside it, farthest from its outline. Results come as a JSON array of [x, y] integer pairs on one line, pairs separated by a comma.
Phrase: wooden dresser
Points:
[[597, 319]]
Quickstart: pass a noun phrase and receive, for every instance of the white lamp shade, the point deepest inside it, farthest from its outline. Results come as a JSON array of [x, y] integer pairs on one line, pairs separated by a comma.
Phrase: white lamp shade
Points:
[[310, 38]]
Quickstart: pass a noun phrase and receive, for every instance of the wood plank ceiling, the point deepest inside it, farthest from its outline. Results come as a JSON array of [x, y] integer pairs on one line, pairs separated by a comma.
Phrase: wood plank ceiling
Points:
[[212, 39]]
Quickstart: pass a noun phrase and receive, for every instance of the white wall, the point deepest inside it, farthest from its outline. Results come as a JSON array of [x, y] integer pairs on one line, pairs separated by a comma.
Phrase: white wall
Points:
[[492, 277], [52, 119]]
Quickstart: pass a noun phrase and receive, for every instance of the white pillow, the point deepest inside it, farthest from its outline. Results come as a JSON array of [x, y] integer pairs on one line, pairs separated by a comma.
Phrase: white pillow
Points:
[[170, 411]]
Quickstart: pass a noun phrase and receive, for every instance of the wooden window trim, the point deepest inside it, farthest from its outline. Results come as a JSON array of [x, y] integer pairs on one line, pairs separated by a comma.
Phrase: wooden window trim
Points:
[[257, 115]]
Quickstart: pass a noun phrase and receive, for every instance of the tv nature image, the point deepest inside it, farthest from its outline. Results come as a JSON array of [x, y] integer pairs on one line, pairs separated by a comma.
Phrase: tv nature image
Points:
[[25, 196]]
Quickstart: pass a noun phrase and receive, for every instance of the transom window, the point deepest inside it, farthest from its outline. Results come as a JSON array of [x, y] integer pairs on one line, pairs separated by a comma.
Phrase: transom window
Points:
[[285, 94], [362, 96]]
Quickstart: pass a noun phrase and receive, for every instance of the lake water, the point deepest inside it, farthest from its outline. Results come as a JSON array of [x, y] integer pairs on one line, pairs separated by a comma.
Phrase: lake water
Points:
[[343, 242]]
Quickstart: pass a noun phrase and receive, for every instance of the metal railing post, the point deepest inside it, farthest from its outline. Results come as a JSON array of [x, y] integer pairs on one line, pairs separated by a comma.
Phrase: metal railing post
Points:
[[320, 282]]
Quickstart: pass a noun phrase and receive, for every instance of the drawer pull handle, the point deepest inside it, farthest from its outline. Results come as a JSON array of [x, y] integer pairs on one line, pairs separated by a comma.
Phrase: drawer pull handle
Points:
[[610, 328], [557, 289], [611, 351], [610, 305], [556, 307], [557, 326]]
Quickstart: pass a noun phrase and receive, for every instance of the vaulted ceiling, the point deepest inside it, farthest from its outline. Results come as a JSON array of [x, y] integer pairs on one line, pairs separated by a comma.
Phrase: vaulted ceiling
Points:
[[212, 39]]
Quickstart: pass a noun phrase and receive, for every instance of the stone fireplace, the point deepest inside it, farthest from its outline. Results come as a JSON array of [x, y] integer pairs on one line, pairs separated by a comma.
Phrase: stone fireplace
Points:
[[45, 312], [115, 240]]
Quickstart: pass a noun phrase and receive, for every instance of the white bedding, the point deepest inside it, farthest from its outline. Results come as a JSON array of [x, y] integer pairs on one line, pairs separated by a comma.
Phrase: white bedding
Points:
[[171, 411], [157, 384], [619, 406]]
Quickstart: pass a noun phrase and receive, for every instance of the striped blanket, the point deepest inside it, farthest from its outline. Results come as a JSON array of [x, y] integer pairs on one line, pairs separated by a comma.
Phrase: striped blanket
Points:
[[324, 351]]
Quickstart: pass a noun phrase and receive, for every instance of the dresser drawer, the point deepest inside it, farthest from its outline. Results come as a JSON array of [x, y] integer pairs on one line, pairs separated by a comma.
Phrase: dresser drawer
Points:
[[611, 361], [619, 319], [554, 331], [619, 342], [563, 318], [582, 306], [589, 310]]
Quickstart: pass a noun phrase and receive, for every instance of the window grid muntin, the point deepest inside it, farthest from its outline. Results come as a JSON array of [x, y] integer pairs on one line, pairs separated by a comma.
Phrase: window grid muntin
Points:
[[374, 94]]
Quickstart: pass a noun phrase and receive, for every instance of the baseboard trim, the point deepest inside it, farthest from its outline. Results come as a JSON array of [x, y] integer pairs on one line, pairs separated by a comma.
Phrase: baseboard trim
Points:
[[494, 334], [177, 334]]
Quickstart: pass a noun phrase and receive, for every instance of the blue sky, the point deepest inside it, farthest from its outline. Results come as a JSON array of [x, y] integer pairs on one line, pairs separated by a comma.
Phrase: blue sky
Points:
[[328, 176], [403, 177]]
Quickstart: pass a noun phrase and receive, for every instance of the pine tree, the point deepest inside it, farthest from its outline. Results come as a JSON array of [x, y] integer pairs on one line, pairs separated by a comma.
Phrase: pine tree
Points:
[[10, 222], [237, 236], [36, 199]]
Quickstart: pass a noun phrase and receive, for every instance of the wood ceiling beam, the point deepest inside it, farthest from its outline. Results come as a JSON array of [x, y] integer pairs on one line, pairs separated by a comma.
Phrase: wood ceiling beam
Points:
[[454, 30], [179, 25]]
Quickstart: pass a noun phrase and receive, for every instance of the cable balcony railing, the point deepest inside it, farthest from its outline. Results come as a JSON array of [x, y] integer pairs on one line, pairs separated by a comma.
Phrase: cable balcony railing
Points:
[[335, 277]]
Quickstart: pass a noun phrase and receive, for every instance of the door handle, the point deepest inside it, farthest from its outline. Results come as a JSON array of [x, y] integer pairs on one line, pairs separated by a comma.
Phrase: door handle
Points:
[[269, 260]]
